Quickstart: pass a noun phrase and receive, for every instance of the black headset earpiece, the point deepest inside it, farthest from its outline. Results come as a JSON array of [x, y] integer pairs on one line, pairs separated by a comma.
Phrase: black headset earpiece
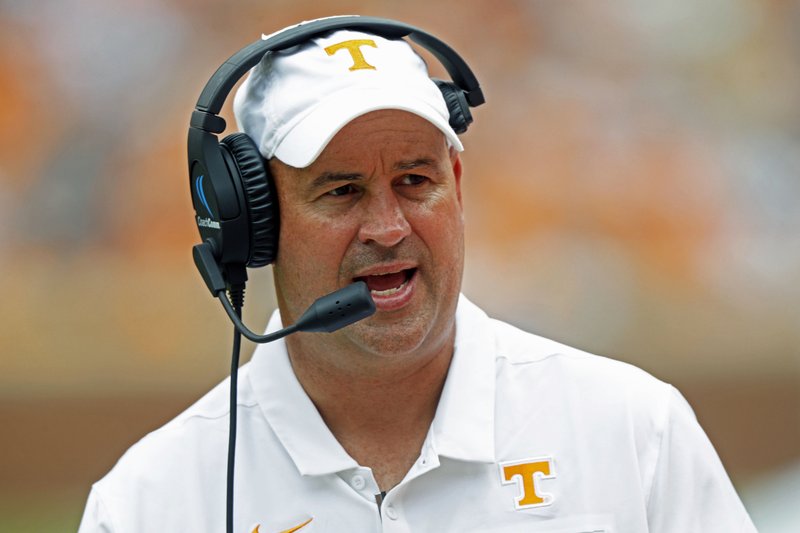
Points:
[[243, 159], [457, 105], [236, 206]]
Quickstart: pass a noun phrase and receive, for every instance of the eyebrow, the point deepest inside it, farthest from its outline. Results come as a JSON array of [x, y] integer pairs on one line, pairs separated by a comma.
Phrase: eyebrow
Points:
[[332, 177], [416, 163]]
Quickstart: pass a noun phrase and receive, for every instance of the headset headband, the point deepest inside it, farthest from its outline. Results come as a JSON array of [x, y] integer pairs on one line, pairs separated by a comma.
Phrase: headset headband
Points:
[[233, 196], [205, 116]]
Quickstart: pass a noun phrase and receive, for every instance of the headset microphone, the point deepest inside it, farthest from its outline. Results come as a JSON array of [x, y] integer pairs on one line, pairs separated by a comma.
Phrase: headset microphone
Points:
[[328, 313]]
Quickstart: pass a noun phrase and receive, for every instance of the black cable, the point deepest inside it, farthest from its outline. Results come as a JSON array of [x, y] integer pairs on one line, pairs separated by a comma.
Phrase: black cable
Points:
[[237, 322], [328, 313], [238, 301]]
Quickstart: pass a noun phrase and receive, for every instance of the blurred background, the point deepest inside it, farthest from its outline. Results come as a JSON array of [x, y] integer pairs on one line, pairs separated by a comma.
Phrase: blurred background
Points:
[[631, 189]]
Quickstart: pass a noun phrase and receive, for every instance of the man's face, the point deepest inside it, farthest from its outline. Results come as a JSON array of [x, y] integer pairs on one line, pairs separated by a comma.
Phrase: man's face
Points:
[[382, 203]]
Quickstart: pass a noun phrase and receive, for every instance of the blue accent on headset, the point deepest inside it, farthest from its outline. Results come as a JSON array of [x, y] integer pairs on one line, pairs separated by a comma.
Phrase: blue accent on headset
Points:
[[198, 184]]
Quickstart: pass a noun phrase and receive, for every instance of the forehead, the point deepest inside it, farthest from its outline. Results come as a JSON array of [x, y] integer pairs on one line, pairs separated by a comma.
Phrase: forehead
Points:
[[384, 133]]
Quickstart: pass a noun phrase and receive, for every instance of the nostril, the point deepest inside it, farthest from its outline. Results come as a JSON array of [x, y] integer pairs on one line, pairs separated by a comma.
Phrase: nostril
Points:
[[386, 233], [383, 220]]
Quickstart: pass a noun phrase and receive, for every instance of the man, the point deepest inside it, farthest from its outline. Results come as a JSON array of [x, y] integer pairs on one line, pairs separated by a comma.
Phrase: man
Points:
[[429, 415]]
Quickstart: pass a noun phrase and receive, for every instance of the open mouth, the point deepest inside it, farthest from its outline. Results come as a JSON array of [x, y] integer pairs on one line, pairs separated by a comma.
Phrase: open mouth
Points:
[[387, 284]]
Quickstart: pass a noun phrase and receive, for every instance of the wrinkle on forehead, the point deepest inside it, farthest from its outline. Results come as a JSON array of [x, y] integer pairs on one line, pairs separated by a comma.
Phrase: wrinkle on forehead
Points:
[[391, 140], [387, 129], [328, 177]]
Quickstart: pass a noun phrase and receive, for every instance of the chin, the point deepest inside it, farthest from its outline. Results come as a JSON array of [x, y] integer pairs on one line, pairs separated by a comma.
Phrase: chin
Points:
[[395, 339]]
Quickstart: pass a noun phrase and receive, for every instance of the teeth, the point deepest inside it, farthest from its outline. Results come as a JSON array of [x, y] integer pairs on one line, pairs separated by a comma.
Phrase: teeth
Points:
[[389, 292]]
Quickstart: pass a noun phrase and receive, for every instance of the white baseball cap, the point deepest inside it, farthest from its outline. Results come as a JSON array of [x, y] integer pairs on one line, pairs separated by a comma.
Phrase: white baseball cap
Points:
[[296, 100]]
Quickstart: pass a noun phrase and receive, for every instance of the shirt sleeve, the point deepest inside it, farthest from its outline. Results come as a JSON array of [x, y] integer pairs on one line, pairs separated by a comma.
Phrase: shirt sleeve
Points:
[[691, 492], [96, 518]]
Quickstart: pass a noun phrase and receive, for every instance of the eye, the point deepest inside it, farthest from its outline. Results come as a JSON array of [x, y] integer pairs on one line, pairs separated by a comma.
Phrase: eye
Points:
[[342, 191], [413, 179]]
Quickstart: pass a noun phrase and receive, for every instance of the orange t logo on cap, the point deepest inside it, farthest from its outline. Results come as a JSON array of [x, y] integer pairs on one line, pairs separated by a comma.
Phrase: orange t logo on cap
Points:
[[359, 63]]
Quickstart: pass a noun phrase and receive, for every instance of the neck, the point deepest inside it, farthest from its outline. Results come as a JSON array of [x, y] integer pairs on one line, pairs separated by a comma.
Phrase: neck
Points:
[[379, 411], [367, 387]]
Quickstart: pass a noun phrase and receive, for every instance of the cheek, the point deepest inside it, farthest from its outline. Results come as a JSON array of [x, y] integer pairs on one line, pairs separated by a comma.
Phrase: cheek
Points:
[[310, 245], [440, 224], [306, 266], [442, 234]]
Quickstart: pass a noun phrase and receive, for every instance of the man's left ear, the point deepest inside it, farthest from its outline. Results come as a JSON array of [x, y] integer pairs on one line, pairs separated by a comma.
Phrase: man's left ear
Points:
[[455, 160]]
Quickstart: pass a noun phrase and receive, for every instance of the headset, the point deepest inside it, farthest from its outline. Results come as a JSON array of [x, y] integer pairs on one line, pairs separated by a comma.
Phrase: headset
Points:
[[235, 203]]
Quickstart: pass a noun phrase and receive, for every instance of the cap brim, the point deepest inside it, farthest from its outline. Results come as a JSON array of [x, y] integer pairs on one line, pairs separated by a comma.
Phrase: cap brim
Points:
[[308, 138]]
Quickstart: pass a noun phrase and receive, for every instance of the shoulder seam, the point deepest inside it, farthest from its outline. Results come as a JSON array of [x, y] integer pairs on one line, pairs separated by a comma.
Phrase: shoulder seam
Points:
[[179, 421], [664, 428], [101, 502]]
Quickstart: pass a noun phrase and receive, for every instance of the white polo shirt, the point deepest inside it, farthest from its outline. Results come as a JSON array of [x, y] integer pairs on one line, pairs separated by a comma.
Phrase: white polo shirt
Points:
[[529, 435]]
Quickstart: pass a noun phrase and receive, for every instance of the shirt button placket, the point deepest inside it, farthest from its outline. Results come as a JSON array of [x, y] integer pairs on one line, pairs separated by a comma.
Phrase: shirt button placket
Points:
[[391, 512], [358, 482], [392, 517], [392, 520]]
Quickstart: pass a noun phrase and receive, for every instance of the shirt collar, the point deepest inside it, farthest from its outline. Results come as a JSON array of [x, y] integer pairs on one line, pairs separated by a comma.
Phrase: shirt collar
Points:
[[463, 427], [291, 413]]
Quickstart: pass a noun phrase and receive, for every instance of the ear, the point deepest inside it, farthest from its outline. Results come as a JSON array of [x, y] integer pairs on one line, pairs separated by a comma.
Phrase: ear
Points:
[[455, 161]]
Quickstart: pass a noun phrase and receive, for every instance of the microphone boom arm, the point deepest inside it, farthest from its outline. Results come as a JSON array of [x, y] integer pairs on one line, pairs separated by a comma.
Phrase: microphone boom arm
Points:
[[328, 313]]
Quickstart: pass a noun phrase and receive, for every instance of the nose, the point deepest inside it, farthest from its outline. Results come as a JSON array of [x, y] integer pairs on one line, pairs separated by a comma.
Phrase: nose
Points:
[[384, 222]]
